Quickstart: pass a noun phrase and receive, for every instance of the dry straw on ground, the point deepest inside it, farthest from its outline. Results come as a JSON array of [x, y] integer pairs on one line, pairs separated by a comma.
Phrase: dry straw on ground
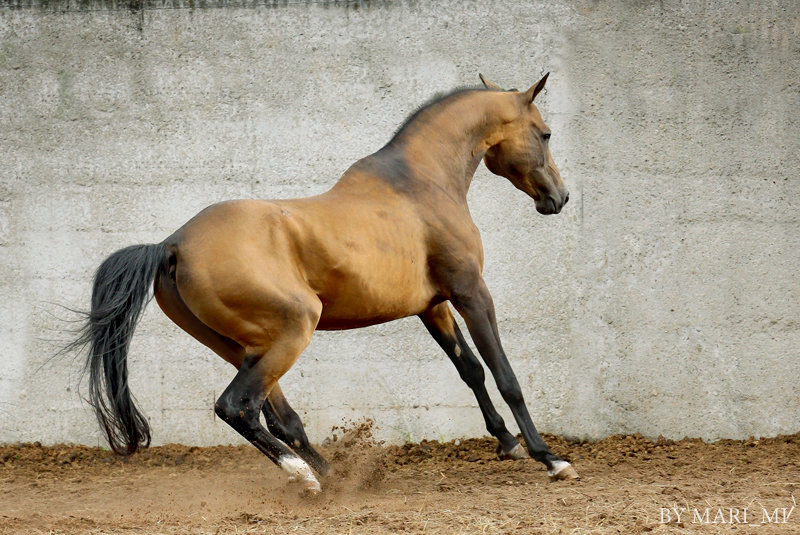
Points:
[[430, 487]]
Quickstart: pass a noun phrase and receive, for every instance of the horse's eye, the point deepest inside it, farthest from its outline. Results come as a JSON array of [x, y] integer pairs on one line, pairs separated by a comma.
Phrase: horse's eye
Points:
[[546, 137]]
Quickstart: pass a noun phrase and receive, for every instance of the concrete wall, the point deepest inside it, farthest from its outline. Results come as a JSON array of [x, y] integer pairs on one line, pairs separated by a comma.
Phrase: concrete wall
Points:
[[663, 300]]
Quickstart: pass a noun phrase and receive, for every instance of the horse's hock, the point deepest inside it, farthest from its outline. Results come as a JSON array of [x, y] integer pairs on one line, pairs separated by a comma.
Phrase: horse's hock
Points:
[[661, 300]]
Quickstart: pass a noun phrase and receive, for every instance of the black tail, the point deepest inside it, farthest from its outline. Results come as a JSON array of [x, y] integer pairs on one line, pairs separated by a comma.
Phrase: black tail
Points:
[[121, 290]]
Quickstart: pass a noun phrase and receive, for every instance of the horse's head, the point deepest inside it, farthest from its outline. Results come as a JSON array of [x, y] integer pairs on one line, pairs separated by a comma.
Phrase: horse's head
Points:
[[521, 152]]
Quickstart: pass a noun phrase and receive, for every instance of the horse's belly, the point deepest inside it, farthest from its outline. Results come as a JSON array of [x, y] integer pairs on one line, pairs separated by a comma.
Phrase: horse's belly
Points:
[[383, 292]]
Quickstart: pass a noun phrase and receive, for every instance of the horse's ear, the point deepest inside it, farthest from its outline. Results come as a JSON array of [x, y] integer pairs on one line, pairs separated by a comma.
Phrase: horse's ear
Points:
[[488, 84], [531, 93]]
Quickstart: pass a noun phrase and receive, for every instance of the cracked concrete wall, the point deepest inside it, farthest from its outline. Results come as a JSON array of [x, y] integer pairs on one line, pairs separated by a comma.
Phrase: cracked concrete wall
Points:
[[663, 300]]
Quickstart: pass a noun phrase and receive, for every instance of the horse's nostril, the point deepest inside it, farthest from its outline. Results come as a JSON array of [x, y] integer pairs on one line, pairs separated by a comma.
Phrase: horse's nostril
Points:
[[566, 199]]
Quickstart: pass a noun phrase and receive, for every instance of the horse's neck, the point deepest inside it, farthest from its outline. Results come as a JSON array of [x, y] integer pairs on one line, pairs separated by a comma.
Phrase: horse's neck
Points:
[[445, 145]]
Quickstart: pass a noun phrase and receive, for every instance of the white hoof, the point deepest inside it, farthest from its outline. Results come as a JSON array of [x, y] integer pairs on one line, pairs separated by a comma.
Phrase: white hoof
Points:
[[562, 470], [300, 472], [311, 488]]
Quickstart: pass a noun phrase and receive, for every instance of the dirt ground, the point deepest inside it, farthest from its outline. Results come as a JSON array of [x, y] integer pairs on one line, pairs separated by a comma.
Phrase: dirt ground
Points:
[[627, 483]]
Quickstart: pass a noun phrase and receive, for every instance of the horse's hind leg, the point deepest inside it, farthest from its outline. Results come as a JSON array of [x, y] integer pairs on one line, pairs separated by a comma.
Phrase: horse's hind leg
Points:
[[240, 405], [440, 323], [170, 301], [284, 423], [286, 334]]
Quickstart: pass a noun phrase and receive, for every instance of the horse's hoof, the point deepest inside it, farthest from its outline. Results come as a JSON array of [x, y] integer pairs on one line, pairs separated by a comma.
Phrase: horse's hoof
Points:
[[311, 490], [516, 453], [308, 487], [300, 473], [561, 471]]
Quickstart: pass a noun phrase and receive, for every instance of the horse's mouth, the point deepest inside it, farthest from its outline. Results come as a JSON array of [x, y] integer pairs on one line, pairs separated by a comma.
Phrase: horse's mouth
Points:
[[548, 206]]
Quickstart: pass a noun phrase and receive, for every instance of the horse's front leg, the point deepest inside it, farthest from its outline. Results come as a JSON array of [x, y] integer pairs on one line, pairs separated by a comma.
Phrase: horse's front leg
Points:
[[440, 323], [476, 307]]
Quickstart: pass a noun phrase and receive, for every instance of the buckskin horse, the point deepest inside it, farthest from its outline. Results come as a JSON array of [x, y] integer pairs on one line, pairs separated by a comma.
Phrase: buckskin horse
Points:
[[253, 279]]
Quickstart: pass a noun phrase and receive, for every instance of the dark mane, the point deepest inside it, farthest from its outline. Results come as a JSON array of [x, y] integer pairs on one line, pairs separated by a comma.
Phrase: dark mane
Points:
[[433, 101]]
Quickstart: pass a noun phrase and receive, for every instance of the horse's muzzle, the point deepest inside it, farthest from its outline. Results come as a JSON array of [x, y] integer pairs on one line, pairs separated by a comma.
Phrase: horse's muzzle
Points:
[[550, 205]]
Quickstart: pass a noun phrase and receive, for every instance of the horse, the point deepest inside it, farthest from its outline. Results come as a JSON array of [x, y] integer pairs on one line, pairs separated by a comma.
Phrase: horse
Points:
[[253, 279]]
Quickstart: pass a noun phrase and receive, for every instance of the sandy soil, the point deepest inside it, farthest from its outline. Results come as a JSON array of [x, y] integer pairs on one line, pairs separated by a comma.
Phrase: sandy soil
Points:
[[456, 487]]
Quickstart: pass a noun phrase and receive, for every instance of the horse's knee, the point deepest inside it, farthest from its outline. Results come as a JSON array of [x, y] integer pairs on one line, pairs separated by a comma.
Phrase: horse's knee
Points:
[[472, 373], [510, 390]]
